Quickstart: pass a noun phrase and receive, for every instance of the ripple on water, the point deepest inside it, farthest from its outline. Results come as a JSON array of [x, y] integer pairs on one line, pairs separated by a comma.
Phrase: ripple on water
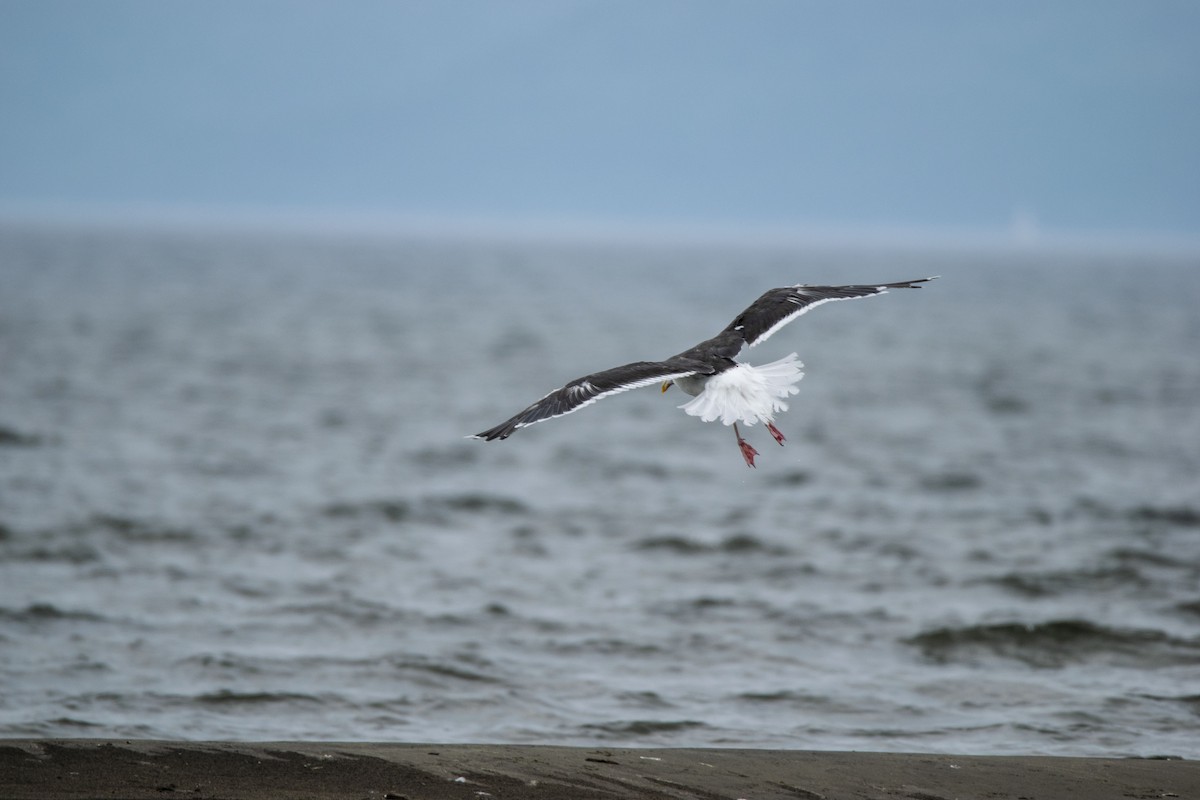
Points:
[[438, 509], [735, 544], [225, 510], [654, 728], [10, 437], [38, 614], [1051, 584], [1056, 643], [232, 697]]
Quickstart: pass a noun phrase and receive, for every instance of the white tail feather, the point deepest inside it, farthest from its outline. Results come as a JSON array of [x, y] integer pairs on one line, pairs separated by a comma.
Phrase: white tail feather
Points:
[[746, 393]]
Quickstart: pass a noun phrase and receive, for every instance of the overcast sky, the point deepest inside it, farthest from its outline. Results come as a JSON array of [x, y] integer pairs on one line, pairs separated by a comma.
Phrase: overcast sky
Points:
[[998, 116]]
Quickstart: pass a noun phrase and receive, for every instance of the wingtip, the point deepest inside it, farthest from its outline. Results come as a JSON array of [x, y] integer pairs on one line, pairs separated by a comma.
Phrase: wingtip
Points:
[[492, 434]]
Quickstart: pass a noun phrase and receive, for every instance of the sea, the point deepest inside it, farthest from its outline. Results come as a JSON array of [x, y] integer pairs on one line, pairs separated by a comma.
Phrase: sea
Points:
[[238, 501]]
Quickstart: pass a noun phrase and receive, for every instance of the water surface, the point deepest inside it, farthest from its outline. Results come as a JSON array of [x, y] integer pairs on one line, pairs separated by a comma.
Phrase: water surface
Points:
[[236, 501]]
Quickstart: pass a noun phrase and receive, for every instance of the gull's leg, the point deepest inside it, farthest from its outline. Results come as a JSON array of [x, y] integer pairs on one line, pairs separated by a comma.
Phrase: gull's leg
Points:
[[779, 437], [748, 452]]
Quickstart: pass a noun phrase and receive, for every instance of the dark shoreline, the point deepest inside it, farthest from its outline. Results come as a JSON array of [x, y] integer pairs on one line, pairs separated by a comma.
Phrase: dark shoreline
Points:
[[49, 769]]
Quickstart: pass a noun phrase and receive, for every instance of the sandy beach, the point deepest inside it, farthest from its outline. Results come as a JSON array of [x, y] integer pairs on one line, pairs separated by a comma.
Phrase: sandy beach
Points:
[[53, 769]]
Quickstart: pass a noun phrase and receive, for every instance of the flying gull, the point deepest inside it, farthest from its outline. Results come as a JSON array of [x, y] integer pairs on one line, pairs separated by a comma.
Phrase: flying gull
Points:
[[721, 387]]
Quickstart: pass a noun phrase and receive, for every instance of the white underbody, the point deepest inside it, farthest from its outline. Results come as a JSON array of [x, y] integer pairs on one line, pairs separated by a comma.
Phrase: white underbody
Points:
[[745, 394]]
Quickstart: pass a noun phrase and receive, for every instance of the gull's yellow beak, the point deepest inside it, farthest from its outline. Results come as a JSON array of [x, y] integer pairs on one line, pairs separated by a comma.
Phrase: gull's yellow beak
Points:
[[667, 385]]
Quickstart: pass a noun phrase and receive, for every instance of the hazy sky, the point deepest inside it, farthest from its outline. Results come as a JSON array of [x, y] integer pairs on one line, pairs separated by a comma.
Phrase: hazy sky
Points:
[[1072, 116]]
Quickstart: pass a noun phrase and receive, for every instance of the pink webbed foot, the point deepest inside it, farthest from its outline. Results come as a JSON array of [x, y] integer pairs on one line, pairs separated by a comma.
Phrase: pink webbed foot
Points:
[[748, 451], [779, 437]]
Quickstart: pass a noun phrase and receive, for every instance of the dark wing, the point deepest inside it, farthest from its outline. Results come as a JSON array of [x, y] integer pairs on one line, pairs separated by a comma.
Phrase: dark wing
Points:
[[590, 388], [778, 307]]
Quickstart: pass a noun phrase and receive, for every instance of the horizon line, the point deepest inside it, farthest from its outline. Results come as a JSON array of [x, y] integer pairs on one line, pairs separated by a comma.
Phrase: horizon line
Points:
[[1017, 236]]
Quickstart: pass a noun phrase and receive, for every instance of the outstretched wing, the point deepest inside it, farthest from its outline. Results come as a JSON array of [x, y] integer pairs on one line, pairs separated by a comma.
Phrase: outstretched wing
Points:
[[590, 388], [778, 307]]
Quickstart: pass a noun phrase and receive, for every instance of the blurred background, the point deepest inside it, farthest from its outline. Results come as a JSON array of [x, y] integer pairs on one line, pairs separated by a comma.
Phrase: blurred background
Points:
[[264, 265], [1013, 118]]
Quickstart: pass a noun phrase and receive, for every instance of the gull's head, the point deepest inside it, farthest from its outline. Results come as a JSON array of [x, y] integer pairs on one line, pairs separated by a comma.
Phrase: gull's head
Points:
[[667, 385]]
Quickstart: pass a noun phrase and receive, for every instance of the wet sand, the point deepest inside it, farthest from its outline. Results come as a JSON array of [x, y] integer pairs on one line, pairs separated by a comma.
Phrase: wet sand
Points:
[[51, 769]]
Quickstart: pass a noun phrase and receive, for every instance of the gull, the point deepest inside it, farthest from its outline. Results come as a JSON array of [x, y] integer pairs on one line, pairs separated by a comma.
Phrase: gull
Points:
[[721, 387]]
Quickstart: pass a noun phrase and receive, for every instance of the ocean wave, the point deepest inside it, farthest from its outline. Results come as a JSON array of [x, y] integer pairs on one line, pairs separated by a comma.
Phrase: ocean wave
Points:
[[791, 477], [392, 510], [430, 508], [1050, 584], [10, 437], [641, 727], [224, 697], [139, 531], [84, 541], [1180, 515], [951, 482], [471, 670], [740, 543], [1056, 643], [40, 613]]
